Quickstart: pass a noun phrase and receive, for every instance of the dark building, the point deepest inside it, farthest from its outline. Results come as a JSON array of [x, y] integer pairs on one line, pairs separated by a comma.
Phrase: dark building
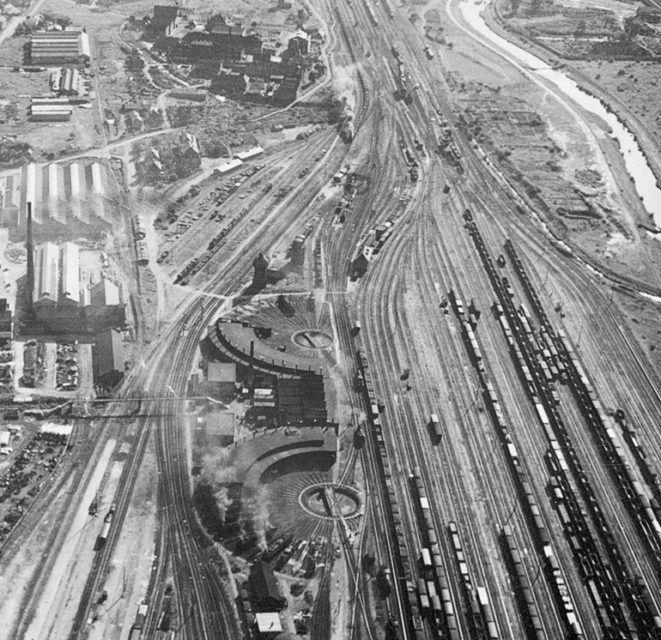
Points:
[[286, 92], [298, 250], [260, 265], [301, 400], [5, 320], [264, 586], [229, 83], [108, 353], [218, 23], [299, 43], [203, 45], [162, 23]]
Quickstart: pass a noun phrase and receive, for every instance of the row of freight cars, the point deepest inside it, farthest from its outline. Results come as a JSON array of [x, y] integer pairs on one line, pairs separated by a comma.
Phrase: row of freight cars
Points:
[[141, 247], [412, 163], [105, 529], [433, 588], [435, 602], [602, 580], [561, 457], [635, 497], [525, 492], [633, 493], [400, 556], [481, 618]]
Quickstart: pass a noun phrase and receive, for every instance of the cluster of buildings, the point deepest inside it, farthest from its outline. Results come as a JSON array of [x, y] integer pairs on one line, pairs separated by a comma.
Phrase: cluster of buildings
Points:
[[69, 200], [283, 389], [186, 152], [68, 87], [237, 60], [58, 46], [50, 110], [60, 301], [67, 81]]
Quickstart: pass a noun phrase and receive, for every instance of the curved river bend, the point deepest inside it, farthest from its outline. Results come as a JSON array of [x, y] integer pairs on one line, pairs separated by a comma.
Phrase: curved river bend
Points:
[[634, 159]]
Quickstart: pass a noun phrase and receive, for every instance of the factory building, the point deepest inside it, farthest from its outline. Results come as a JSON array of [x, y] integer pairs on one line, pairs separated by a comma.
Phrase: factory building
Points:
[[54, 289], [57, 277], [69, 201], [203, 45], [47, 279], [59, 47]]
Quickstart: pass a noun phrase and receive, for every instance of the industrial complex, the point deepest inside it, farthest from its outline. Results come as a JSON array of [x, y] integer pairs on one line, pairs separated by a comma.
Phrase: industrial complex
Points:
[[330, 320]]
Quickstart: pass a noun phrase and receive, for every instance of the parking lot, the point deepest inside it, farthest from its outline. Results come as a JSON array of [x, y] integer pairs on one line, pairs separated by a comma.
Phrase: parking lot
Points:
[[31, 457]]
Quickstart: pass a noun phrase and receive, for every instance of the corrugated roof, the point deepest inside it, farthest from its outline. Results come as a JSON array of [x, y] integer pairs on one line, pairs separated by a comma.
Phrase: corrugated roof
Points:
[[47, 267]]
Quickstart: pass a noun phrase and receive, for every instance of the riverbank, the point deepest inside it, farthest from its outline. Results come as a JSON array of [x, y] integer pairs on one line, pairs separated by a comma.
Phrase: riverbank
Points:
[[614, 104]]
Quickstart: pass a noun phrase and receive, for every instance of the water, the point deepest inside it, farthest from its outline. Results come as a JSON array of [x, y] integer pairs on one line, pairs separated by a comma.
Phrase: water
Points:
[[634, 159]]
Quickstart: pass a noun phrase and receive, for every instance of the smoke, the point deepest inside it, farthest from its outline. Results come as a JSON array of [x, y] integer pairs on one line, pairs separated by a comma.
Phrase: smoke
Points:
[[346, 87], [215, 466], [217, 473], [261, 517], [223, 501]]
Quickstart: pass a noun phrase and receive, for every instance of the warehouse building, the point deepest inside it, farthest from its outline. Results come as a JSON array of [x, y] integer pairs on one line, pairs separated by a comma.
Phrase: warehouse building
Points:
[[59, 47], [106, 305], [50, 112]]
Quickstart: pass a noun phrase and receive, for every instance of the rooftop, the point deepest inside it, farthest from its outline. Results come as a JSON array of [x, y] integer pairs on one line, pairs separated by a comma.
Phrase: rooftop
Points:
[[221, 372], [110, 353], [268, 622]]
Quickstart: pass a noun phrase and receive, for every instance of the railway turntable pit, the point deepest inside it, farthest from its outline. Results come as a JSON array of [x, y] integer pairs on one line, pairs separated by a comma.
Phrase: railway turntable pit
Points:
[[282, 490], [330, 501], [295, 324]]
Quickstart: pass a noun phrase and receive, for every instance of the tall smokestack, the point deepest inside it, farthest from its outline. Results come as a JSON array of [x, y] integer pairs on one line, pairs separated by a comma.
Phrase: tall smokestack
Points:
[[29, 285]]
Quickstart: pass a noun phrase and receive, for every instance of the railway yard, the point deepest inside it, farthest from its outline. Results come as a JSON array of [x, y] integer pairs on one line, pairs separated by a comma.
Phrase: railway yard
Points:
[[375, 357]]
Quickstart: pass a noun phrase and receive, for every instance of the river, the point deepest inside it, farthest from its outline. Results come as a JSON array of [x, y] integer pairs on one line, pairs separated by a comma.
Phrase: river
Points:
[[634, 159]]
